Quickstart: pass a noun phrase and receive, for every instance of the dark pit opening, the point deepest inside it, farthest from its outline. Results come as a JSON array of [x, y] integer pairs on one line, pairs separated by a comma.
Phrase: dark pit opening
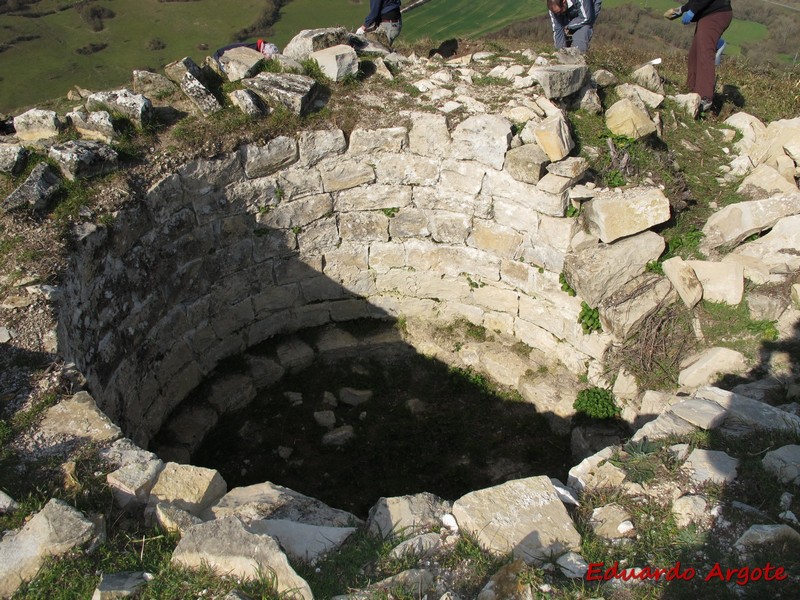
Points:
[[426, 427]]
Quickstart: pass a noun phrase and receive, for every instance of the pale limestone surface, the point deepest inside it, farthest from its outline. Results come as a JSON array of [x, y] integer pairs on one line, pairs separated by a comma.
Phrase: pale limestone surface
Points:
[[524, 516], [229, 547], [406, 514], [53, 531]]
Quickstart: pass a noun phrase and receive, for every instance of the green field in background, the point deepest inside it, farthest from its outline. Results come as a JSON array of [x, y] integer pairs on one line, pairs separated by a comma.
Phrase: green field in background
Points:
[[34, 71], [48, 67]]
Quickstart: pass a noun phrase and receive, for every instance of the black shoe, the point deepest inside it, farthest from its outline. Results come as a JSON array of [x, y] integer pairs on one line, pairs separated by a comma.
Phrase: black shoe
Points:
[[705, 104]]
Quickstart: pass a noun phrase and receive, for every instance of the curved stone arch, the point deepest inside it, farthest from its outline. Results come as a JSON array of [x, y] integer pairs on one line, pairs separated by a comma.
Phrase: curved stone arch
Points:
[[229, 252]]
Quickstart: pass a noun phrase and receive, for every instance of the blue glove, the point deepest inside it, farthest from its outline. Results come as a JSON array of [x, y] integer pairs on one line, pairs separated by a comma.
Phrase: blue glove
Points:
[[687, 17]]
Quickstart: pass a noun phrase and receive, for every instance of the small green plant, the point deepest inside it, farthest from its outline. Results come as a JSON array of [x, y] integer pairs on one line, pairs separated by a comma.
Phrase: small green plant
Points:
[[474, 284], [489, 81], [390, 212], [565, 286], [573, 211], [5, 433], [312, 69], [685, 245], [615, 178], [654, 266], [280, 194], [297, 230], [589, 318], [596, 402]]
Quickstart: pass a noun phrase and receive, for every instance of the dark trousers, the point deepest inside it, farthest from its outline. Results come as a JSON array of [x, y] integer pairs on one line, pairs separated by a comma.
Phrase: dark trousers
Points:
[[700, 73]]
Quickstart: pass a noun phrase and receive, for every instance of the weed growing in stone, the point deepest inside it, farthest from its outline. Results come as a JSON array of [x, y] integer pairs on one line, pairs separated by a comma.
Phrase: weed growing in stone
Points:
[[597, 403]]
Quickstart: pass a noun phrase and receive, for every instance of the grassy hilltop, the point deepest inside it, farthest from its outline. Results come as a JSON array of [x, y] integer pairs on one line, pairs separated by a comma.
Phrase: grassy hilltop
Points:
[[48, 46]]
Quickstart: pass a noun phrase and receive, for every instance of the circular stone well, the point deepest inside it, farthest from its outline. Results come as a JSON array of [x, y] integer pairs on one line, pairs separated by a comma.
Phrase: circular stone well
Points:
[[239, 255]]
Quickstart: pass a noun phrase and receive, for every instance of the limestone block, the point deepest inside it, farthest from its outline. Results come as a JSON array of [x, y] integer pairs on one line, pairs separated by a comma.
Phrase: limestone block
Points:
[[372, 198], [37, 191], [448, 228], [260, 161], [37, 125], [131, 484], [711, 465], [690, 509], [553, 136], [429, 135], [53, 531], [409, 224], [765, 181], [516, 203], [336, 62], [684, 280], [120, 585], [524, 516], [240, 62], [316, 145], [453, 261], [176, 70], [188, 487], [796, 295], [746, 414], [307, 41], [199, 94], [768, 147], [551, 399], [665, 425], [270, 501], [648, 77], [407, 170], [299, 213], [83, 159], [572, 167], [597, 272], [722, 282], [385, 256], [249, 103], [231, 392], [496, 239], [777, 249], [406, 515], [612, 522], [604, 78], [765, 534], [303, 542], [784, 463], [295, 355], [12, 158], [700, 412], [231, 548], [640, 96], [702, 369], [624, 117], [732, 224], [96, 126], [152, 85], [620, 213], [554, 184], [526, 163], [364, 226], [78, 417], [559, 81], [369, 141], [135, 107], [295, 92], [482, 138], [690, 103], [422, 546], [343, 174], [749, 126]]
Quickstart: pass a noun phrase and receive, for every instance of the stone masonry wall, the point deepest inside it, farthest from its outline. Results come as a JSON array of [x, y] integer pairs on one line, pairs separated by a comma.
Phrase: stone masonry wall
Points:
[[296, 233]]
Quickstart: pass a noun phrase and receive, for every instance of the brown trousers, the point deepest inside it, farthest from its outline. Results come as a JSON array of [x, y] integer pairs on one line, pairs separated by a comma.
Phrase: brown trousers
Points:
[[700, 72]]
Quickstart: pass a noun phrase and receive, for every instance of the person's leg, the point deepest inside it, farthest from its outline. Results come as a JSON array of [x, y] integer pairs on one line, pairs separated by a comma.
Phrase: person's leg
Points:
[[581, 38], [390, 30], [709, 31], [691, 64]]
